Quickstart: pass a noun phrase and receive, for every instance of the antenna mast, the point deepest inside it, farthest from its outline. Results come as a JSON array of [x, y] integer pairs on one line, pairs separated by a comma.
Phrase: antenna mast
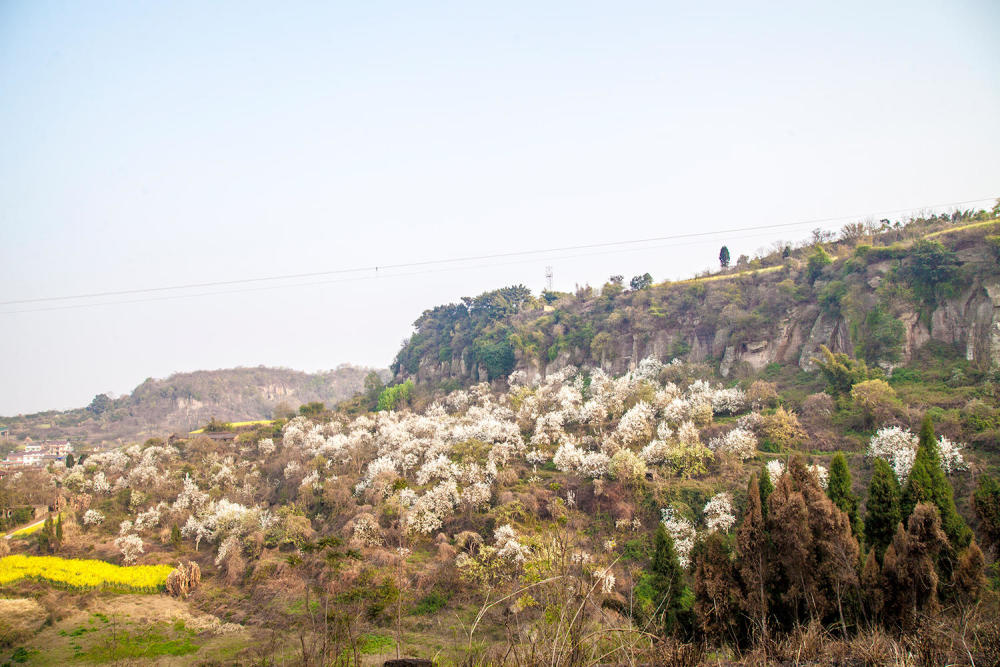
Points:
[[548, 278]]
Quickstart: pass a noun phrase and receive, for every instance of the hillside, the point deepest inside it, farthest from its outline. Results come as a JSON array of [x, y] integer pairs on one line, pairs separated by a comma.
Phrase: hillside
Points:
[[651, 518], [794, 461], [878, 292], [185, 401]]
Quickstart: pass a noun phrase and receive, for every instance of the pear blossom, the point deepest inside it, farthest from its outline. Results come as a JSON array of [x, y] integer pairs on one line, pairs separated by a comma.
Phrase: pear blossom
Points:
[[606, 580], [775, 469], [897, 446], [739, 442], [636, 425], [682, 532], [93, 518], [951, 455], [266, 447], [719, 514], [130, 547], [508, 546]]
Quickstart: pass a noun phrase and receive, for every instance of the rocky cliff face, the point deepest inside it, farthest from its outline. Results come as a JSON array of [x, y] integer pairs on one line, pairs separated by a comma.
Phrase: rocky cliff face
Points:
[[710, 323]]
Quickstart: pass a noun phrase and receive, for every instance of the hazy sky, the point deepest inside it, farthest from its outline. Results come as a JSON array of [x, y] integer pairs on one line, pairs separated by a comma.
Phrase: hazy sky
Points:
[[152, 144]]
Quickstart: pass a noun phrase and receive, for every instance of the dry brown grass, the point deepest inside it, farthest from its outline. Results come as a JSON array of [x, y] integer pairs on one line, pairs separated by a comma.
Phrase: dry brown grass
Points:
[[20, 618]]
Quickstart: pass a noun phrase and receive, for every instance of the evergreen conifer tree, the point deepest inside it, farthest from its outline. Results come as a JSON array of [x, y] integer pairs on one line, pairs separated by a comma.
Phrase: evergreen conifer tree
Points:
[[814, 551], [927, 483], [175, 535], [764, 488], [882, 512], [667, 580], [970, 577], [46, 536], [839, 490]]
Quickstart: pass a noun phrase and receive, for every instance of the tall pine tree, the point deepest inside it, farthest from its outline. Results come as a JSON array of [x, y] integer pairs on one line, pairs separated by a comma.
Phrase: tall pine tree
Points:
[[764, 488], [839, 490], [753, 557], [882, 511], [927, 483], [667, 580]]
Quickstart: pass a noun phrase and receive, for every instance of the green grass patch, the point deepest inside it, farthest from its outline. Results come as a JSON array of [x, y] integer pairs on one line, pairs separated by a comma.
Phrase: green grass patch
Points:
[[76, 632], [149, 643], [374, 644], [430, 603], [21, 655]]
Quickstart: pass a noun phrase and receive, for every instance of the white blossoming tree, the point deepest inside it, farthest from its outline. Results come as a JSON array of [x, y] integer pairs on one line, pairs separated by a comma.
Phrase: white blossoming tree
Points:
[[131, 548], [93, 518], [897, 446], [740, 442], [682, 532], [719, 514]]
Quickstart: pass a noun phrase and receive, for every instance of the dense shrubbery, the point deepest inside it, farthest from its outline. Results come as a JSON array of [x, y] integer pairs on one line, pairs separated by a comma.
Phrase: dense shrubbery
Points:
[[395, 396]]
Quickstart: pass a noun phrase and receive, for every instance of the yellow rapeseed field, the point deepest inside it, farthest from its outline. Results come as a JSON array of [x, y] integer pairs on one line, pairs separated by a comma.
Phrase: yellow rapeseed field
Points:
[[34, 528], [238, 424], [28, 531], [84, 574]]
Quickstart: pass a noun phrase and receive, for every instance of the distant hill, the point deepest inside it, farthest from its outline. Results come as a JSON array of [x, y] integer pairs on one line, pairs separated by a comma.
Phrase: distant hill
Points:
[[185, 401]]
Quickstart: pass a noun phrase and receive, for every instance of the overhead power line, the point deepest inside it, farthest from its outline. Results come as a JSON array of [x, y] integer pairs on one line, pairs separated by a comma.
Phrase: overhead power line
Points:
[[426, 263], [382, 276]]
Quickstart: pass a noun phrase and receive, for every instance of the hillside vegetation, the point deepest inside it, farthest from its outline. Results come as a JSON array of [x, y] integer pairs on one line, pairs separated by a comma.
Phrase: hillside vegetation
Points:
[[877, 292], [834, 502], [653, 516]]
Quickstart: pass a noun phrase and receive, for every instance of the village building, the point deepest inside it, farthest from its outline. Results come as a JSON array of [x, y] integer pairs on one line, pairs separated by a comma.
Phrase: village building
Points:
[[37, 455]]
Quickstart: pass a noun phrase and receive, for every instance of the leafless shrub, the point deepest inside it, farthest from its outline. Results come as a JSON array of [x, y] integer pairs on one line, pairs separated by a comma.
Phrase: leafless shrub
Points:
[[183, 580]]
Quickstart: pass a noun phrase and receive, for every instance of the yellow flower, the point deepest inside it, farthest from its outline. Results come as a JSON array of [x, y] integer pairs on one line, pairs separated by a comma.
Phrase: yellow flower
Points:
[[78, 573]]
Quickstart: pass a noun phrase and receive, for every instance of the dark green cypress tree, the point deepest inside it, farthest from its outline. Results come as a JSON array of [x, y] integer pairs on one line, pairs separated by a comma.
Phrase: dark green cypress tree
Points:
[[46, 536], [668, 580], [175, 535], [724, 256], [882, 512], [928, 483], [70, 461], [839, 490], [764, 488], [59, 531]]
